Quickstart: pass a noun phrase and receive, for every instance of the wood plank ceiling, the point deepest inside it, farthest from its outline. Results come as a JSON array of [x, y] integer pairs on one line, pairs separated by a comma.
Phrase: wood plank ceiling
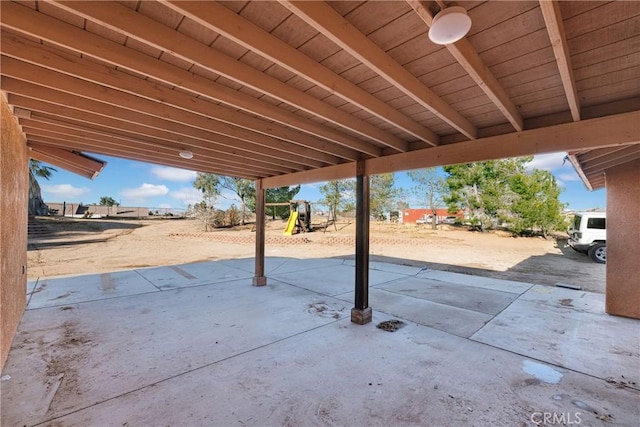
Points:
[[260, 89]]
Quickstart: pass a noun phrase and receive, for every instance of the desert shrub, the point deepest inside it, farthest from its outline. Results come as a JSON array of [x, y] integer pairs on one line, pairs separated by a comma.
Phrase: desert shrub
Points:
[[233, 216]]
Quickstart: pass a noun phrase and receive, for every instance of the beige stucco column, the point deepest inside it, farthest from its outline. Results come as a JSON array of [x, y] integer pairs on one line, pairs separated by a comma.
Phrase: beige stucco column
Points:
[[623, 240], [14, 199]]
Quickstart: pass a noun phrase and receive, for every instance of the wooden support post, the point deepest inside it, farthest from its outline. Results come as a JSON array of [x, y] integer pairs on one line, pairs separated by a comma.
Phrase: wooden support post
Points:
[[259, 279], [361, 312]]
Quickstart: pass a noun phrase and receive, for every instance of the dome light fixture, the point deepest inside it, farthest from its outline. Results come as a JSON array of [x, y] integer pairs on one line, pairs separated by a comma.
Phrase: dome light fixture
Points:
[[449, 25], [186, 154]]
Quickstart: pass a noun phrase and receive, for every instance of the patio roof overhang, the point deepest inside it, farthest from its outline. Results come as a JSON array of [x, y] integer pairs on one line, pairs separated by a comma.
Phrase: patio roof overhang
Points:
[[300, 91]]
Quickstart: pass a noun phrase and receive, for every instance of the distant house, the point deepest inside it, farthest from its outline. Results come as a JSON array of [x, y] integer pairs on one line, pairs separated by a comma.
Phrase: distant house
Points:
[[417, 216]]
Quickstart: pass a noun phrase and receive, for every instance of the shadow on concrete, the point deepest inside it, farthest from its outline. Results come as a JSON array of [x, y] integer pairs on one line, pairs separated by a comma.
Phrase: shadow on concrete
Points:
[[56, 226], [570, 267], [46, 233], [58, 243]]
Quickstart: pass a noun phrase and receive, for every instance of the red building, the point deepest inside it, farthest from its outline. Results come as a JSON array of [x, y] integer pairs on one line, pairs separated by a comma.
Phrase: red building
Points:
[[413, 216]]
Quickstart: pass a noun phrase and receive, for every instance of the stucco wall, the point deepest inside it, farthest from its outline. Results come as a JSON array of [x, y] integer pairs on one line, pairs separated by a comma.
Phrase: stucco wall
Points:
[[116, 211], [14, 199], [623, 240]]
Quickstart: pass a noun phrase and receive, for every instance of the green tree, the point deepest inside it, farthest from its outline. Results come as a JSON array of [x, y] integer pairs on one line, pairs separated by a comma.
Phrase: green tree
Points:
[[281, 195], [212, 186], [108, 201], [338, 195], [430, 188], [208, 184], [242, 188], [482, 190], [537, 207], [382, 194], [38, 169], [505, 192]]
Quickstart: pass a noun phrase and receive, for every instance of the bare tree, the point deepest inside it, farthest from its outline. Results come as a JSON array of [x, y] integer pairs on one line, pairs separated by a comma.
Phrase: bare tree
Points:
[[430, 188]]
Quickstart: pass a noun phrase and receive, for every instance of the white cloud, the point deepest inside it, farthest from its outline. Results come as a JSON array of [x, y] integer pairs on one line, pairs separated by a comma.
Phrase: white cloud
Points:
[[187, 195], [165, 206], [65, 190], [173, 174], [548, 162], [144, 191]]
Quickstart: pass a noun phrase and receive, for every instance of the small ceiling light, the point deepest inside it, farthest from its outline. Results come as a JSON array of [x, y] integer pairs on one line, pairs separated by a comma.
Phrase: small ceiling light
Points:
[[450, 25], [186, 154]]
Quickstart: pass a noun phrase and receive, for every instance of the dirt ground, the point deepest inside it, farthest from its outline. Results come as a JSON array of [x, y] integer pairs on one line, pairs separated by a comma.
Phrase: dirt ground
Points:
[[81, 246]]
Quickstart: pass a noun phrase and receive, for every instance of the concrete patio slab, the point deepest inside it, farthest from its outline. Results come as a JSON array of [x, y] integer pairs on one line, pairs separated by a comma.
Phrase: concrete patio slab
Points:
[[545, 324], [229, 353], [454, 320], [294, 264], [347, 375], [194, 274], [478, 281], [105, 348], [462, 296], [333, 280], [70, 290], [249, 264], [387, 266], [565, 299]]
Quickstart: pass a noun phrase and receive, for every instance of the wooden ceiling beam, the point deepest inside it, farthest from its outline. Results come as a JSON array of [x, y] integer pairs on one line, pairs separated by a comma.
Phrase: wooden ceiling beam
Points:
[[221, 143], [555, 27], [30, 22], [52, 79], [81, 161], [158, 157], [331, 24], [469, 59], [135, 25], [610, 131], [592, 155], [52, 146], [224, 21], [155, 159], [49, 127], [139, 129], [303, 144], [61, 158], [343, 171], [612, 159]]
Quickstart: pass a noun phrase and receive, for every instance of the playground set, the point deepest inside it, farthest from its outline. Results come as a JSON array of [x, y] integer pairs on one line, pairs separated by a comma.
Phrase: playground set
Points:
[[300, 217]]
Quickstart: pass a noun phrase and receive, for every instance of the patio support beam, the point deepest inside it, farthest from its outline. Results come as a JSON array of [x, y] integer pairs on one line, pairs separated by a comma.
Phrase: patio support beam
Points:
[[259, 279], [68, 160], [28, 21], [224, 21], [555, 28], [334, 26], [361, 312], [611, 131], [468, 57], [142, 28]]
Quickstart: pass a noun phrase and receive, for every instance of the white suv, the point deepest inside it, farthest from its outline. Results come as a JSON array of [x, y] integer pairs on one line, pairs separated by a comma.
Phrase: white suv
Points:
[[588, 234]]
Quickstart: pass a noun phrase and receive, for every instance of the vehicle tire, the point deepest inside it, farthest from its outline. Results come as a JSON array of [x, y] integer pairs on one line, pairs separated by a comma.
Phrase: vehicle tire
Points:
[[598, 253]]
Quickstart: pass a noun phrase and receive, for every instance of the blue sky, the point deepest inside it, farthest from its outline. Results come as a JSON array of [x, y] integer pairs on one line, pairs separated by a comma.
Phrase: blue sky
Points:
[[142, 184]]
